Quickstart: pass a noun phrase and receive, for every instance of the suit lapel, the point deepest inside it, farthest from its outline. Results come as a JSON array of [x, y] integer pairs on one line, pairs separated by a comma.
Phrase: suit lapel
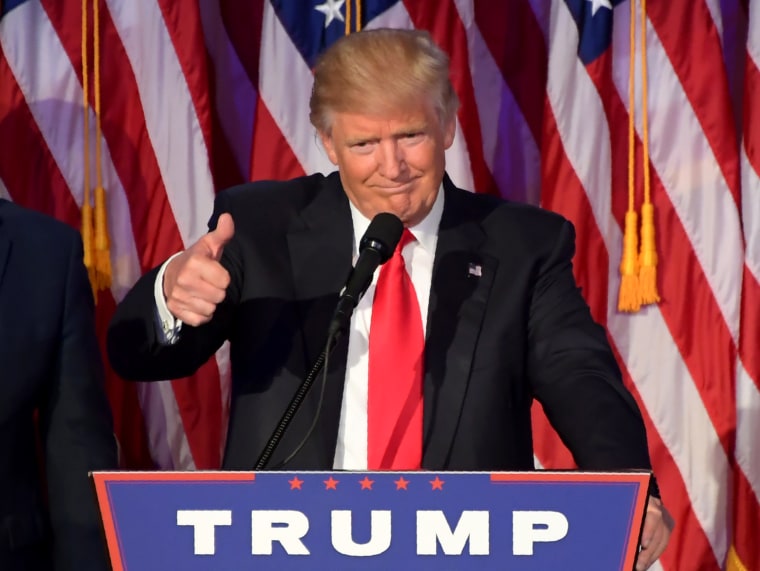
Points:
[[461, 283], [320, 244]]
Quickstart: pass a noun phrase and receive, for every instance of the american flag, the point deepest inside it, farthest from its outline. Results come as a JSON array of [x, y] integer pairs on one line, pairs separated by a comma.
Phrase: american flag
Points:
[[198, 95]]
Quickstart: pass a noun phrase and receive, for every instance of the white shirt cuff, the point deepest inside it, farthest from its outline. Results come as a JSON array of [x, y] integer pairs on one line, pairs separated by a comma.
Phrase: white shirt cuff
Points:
[[167, 325]]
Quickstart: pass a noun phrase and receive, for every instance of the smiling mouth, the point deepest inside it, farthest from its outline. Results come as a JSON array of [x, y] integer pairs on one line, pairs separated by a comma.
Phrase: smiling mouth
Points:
[[396, 188]]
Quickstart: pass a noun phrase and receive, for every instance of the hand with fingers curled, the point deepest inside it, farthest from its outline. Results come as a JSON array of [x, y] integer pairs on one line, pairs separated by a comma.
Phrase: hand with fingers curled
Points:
[[195, 282], [658, 525]]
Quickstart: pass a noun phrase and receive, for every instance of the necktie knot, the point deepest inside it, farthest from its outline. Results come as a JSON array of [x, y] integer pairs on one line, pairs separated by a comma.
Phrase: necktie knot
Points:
[[406, 238]]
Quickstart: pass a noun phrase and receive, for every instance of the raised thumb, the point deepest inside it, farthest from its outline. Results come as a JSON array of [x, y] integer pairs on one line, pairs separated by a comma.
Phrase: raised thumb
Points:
[[223, 233]]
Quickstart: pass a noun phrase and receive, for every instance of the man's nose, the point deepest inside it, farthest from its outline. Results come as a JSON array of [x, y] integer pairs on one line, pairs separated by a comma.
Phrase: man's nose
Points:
[[391, 159]]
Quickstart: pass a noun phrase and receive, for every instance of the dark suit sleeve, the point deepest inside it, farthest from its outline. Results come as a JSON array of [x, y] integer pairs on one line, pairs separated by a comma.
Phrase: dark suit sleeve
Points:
[[134, 348], [77, 428], [574, 373]]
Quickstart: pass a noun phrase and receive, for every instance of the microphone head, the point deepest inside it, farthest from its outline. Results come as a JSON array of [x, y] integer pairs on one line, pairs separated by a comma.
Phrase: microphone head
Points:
[[382, 235]]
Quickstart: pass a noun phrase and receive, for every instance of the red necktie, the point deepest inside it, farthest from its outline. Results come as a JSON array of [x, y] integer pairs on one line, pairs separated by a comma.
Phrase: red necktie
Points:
[[396, 359]]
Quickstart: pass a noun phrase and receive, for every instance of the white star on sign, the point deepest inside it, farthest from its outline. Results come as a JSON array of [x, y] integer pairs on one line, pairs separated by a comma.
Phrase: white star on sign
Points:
[[331, 10], [596, 4]]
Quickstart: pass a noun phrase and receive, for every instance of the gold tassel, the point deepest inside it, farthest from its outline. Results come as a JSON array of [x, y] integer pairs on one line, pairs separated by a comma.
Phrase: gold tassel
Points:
[[88, 244], [87, 218], [648, 257], [629, 295], [102, 241], [734, 562], [95, 239]]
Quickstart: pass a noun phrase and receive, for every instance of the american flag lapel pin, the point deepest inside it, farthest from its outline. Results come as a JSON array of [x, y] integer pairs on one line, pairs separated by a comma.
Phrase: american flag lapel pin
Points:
[[474, 270]]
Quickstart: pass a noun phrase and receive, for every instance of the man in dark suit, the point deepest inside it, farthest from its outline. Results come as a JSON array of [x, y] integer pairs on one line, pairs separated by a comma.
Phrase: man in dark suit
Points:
[[499, 317], [55, 421]]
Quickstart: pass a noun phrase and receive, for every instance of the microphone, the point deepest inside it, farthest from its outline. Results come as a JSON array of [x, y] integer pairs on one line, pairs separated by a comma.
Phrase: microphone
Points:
[[375, 248]]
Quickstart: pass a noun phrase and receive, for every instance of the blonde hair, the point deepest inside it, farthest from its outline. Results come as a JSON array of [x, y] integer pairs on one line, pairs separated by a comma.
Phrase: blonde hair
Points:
[[381, 70]]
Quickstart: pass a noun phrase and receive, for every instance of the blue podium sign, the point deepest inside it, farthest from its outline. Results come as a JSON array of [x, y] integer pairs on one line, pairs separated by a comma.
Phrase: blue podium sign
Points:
[[224, 521]]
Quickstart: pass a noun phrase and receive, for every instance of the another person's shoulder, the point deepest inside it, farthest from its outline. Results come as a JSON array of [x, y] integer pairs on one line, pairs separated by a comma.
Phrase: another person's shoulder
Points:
[[35, 230]]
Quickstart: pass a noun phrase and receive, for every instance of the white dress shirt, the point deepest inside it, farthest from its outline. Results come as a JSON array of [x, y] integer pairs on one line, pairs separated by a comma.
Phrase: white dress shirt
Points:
[[351, 450]]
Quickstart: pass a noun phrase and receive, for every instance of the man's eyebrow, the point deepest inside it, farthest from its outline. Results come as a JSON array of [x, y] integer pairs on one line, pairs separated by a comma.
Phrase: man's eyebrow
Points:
[[361, 139]]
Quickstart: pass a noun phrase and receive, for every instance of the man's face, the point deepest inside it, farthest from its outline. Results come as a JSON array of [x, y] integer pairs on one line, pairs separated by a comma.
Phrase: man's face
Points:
[[391, 163]]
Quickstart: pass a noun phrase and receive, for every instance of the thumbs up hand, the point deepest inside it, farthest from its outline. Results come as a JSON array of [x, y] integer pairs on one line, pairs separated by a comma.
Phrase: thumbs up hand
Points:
[[195, 282]]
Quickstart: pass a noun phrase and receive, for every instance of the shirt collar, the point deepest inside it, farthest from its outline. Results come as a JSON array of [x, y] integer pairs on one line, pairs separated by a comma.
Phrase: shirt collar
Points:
[[426, 232]]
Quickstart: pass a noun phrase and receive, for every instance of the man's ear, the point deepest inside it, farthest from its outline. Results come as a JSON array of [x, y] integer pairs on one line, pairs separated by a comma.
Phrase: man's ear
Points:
[[449, 130], [329, 146]]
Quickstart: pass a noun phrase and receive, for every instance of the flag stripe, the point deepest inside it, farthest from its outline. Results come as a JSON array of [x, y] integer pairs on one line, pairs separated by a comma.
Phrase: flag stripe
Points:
[[690, 547], [705, 85], [274, 158], [689, 300], [564, 193], [44, 187], [183, 24], [676, 139], [521, 57], [233, 95], [239, 19], [640, 334], [747, 454], [173, 103], [125, 136], [184, 169], [510, 143], [676, 494], [747, 476], [283, 92]]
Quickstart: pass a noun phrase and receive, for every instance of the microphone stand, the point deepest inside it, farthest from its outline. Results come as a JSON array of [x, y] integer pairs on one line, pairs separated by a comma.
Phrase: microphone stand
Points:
[[295, 403]]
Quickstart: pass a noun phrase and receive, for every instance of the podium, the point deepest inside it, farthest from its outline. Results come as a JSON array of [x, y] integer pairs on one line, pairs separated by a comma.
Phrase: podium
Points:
[[225, 521]]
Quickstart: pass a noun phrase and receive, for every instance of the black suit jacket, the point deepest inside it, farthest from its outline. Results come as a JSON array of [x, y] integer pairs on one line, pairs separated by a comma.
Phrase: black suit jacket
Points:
[[49, 363], [506, 324]]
